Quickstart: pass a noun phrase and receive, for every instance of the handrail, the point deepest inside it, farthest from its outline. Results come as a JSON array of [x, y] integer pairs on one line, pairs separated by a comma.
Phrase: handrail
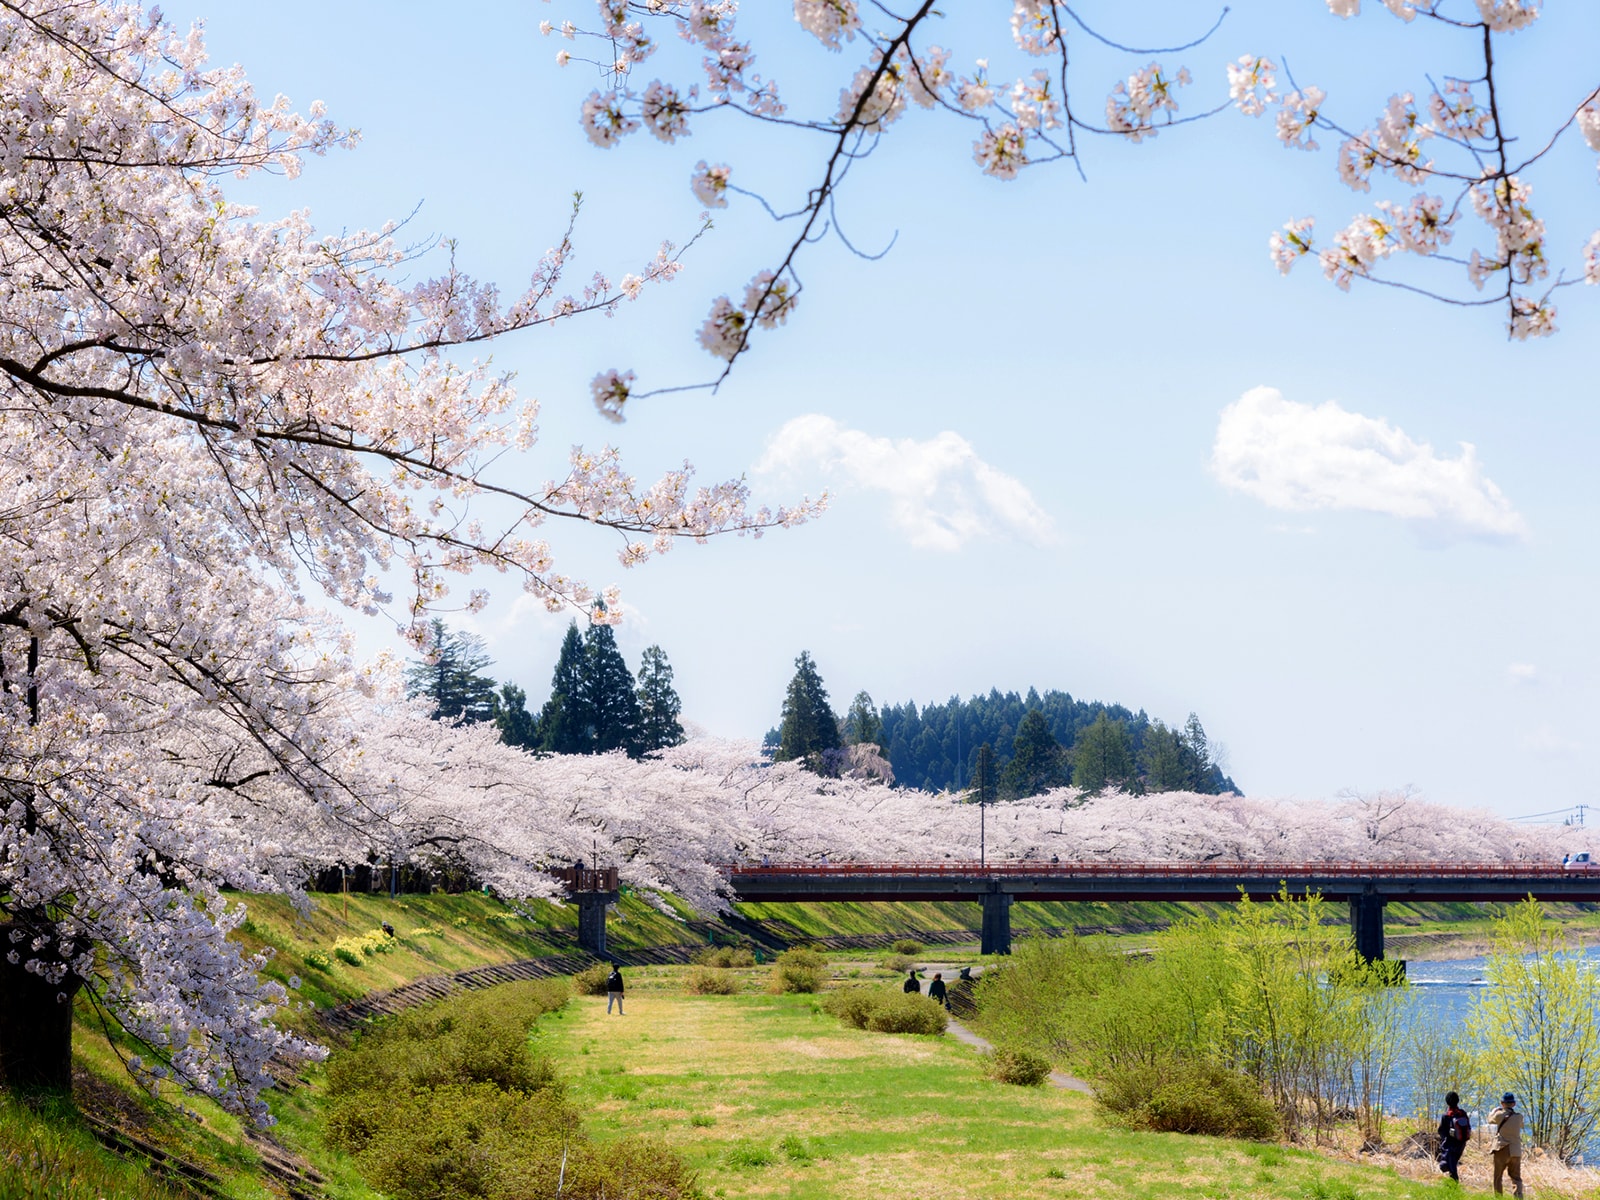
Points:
[[1067, 870]]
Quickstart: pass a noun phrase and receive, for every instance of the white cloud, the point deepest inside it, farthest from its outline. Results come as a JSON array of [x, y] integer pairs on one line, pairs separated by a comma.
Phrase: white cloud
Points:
[[942, 495], [1301, 457], [1523, 673]]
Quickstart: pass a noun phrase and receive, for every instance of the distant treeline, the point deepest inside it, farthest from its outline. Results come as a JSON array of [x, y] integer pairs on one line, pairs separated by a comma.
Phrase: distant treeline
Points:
[[936, 748], [999, 746]]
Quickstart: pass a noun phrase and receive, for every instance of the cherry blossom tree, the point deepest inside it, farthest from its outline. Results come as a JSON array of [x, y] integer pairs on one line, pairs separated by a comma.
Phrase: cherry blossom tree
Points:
[[1459, 171], [204, 414]]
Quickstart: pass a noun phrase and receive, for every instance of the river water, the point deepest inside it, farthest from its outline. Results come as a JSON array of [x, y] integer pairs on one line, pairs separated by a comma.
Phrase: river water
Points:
[[1442, 992]]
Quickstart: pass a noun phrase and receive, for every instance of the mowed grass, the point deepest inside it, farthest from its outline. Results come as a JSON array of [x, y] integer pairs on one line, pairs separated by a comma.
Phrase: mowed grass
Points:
[[767, 1096]]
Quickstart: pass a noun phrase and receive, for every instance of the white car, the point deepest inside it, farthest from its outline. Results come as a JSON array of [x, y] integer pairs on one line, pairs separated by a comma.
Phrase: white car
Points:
[[1580, 862]]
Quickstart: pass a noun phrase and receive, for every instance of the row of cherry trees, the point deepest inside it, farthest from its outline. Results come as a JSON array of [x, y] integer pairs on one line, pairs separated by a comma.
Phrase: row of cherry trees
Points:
[[206, 415]]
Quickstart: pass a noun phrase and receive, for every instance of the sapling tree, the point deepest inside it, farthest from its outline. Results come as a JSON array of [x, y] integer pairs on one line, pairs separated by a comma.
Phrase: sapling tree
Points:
[[1459, 172]]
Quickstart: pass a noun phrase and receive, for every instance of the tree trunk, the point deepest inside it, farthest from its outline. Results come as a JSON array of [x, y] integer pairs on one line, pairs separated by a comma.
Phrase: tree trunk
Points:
[[35, 1021]]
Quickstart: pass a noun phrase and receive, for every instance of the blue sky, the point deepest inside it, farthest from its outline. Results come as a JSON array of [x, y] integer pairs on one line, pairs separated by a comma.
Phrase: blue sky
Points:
[[1017, 409]]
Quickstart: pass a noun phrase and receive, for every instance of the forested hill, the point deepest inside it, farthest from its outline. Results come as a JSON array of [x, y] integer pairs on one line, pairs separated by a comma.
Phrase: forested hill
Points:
[[925, 746]]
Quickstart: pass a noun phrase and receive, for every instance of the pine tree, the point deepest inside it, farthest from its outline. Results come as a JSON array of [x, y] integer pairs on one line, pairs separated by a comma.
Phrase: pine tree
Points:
[[1164, 760], [517, 725], [809, 730], [1203, 774], [455, 679], [566, 724], [659, 705], [985, 781], [612, 700], [1037, 760], [861, 723], [1103, 757]]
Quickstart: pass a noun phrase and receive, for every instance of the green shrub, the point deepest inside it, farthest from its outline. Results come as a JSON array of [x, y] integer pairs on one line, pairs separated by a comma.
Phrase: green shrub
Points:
[[709, 981], [898, 963], [450, 1101], [318, 961], [1021, 1067], [726, 956], [591, 981], [799, 970], [349, 954], [795, 1149], [884, 1011], [908, 946], [1186, 1096], [461, 922]]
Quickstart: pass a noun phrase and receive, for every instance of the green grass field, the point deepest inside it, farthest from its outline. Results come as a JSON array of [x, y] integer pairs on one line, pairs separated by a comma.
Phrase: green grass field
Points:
[[766, 1096]]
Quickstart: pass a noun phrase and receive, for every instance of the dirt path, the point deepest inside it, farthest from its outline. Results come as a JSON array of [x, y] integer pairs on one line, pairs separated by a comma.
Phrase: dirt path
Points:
[[1058, 1079]]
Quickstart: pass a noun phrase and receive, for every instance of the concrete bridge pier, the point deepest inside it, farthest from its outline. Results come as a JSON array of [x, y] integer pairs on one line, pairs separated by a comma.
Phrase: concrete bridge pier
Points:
[[1366, 924], [996, 935], [592, 920]]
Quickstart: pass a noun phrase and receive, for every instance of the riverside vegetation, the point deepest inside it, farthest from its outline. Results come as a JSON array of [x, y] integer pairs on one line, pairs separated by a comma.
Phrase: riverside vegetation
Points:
[[1260, 1020]]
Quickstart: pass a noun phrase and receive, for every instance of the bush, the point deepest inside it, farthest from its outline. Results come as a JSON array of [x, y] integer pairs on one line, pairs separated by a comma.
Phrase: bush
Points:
[[450, 1101], [591, 981], [1186, 1096], [318, 961], [726, 956], [799, 970], [1020, 1067], [883, 1011], [908, 946], [709, 981], [898, 963]]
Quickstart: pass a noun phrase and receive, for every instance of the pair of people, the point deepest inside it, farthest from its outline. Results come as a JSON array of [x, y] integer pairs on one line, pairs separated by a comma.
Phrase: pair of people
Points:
[[936, 988], [1505, 1140]]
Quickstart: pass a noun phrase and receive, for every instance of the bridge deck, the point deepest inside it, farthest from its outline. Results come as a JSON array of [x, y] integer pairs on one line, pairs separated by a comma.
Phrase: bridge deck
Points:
[[957, 880]]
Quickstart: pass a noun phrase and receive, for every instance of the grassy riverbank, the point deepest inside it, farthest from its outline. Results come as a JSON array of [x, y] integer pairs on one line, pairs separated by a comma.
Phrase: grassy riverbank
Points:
[[55, 1154], [767, 1096]]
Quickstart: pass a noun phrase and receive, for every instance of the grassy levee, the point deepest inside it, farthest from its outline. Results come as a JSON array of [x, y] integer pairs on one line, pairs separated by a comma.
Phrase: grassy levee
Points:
[[54, 1153], [767, 1096]]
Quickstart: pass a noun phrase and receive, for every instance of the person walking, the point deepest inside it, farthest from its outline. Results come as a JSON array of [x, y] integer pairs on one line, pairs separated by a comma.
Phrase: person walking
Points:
[[1455, 1127], [936, 989], [1505, 1144], [614, 989], [911, 984]]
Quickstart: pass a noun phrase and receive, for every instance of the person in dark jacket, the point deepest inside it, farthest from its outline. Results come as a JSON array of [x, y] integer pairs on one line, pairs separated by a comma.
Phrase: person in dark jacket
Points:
[[936, 989], [911, 984], [1455, 1127], [614, 989]]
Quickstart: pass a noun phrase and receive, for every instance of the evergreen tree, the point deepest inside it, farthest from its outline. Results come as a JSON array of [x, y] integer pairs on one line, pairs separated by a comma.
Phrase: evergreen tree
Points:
[[1204, 776], [613, 704], [861, 723], [517, 725], [1103, 757], [1165, 760], [985, 779], [455, 679], [566, 723], [1037, 761], [659, 705], [809, 730]]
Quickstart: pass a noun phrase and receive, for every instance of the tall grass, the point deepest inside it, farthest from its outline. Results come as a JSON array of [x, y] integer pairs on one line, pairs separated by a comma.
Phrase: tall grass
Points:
[[451, 1101]]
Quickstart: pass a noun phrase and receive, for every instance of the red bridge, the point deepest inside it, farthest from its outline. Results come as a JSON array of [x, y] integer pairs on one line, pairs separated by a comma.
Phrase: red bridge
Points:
[[1366, 886]]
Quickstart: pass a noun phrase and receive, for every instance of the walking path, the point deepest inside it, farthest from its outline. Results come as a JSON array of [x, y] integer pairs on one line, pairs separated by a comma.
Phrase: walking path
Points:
[[1058, 1079]]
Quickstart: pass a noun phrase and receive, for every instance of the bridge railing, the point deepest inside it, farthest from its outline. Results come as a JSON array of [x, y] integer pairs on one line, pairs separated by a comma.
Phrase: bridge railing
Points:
[[1284, 870]]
